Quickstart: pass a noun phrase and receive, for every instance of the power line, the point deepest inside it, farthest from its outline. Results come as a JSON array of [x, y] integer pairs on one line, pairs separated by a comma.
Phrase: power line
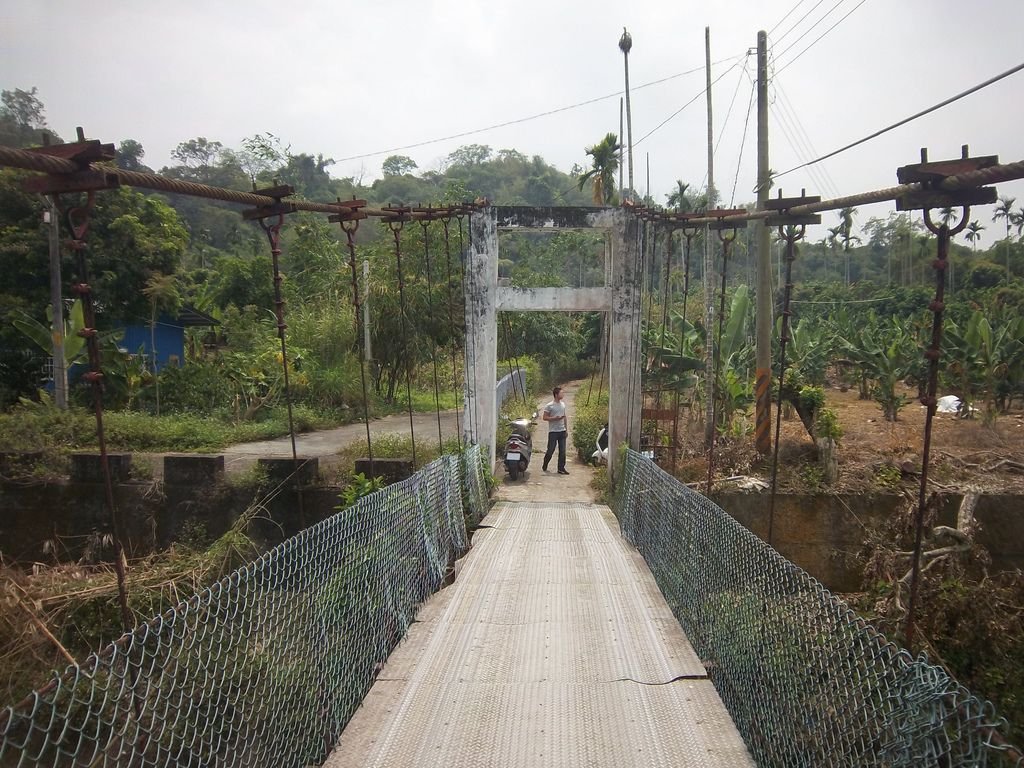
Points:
[[782, 121], [662, 124], [805, 50], [808, 31], [904, 121], [732, 103], [788, 13], [797, 24], [802, 136], [743, 141], [520, 120]]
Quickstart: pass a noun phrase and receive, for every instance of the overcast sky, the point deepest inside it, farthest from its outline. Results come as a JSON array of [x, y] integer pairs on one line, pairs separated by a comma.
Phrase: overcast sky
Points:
[[352, 79]]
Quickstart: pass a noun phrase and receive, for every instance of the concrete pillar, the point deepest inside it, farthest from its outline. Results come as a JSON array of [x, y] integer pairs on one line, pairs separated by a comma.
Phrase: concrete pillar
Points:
[[624, 393], [481, 278]]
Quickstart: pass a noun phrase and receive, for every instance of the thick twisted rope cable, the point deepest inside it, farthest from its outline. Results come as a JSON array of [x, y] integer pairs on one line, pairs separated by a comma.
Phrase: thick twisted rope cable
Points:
[[445, 221], [42, 163], [424, 224], [34, 161]]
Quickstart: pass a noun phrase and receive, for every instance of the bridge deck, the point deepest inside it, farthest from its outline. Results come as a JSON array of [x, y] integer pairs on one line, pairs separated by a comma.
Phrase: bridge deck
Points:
[[554, 647]]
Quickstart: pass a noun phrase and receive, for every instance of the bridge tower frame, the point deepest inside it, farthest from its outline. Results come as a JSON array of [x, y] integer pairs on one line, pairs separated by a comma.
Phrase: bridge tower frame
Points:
[[618, 298]]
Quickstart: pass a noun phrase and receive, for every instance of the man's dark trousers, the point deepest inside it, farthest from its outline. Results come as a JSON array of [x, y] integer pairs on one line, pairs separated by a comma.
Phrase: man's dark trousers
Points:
[[556, 438]]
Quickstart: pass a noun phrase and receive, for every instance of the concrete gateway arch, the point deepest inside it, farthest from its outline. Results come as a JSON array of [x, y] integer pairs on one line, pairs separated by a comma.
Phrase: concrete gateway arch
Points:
[[619, 299]]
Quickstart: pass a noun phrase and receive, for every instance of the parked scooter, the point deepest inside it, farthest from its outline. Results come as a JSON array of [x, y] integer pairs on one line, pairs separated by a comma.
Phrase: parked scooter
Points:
[[518, 447], [601, 454]]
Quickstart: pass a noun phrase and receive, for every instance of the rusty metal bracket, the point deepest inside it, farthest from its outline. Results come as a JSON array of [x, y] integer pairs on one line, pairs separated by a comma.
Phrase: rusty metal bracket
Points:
[[352, 216], [719, 214], [930, 176], [278, 208], [87, 179], [782, 206]]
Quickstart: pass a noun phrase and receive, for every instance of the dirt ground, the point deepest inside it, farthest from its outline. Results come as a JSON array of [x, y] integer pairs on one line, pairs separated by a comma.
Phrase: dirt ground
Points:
[[876, 455]]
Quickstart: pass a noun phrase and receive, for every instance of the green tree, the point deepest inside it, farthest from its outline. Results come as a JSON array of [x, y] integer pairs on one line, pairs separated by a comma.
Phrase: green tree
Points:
[[129, 156], [470, 154], [605, 161], [398, 165], [261, 155], [21, 117], [198, 156], [1004, 210]]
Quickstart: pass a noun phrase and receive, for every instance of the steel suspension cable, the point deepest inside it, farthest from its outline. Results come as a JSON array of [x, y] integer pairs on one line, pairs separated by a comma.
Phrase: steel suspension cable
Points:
[[503, 325], [349, 228], [445, 221], [424, 224], [395, 225], [273, 232], [515, 358]]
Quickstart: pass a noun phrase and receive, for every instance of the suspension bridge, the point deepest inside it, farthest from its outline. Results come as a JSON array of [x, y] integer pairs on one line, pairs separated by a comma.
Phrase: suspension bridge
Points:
[[656, 631]]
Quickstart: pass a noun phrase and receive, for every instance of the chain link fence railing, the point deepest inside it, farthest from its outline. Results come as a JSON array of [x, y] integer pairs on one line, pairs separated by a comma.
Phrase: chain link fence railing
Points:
[[265, 667], [807, 681]]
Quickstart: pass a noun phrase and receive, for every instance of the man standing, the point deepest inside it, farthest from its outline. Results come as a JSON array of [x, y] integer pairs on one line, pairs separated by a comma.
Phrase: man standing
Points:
[[554, 415]]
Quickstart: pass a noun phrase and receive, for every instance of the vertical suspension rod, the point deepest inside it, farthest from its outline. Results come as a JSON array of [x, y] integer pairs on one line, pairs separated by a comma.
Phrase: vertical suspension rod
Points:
[[395, 224], [932, 354], [445, 221], [273, 232], [424, 224]]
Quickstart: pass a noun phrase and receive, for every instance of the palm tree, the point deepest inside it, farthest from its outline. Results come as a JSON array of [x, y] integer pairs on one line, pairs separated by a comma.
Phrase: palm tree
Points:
[[946, 215], [973, 234], [162, 292], [846, 226], [602, 175], [678, 199], [1004, 210], [834, 235]]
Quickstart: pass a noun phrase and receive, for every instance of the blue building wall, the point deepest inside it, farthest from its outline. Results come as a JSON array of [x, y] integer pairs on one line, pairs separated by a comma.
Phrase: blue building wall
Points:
[[170, 342]]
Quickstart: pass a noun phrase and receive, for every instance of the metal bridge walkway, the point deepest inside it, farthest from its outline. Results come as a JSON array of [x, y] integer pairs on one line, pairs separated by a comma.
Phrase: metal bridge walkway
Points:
[[554, 647]]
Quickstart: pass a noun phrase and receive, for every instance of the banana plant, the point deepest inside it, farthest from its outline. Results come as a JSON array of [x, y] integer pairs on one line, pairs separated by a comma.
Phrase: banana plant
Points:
[[998, 349], [735, 388], [41, 335], [887, 353]]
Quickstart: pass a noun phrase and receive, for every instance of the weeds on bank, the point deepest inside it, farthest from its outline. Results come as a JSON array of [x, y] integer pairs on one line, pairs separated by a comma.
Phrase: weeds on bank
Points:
[[53, 615]]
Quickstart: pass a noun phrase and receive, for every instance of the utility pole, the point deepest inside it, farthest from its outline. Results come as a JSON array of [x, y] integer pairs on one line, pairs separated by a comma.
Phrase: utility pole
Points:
[[625, 45], [763, 355], [60, 371], [621, 145], [709, 267]]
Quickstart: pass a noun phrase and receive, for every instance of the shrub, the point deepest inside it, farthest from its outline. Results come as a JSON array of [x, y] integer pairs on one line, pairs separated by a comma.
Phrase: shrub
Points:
[[587, 422]]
